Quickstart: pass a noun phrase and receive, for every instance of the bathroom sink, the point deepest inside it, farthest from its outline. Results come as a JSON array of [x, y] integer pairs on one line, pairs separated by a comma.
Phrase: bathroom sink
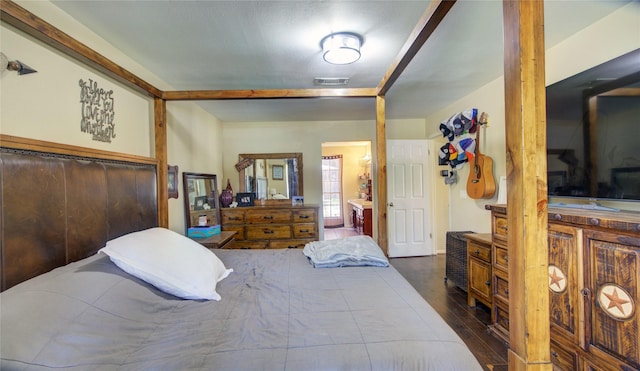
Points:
[[361, 202]]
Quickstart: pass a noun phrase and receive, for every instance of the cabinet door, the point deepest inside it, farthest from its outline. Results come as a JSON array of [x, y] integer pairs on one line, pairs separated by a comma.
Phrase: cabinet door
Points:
[[611, 277], [480, 279], [564, 290]]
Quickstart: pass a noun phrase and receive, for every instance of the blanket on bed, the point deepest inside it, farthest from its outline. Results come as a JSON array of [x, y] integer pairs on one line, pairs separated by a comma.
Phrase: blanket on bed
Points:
[[277, 313], [345, 252]]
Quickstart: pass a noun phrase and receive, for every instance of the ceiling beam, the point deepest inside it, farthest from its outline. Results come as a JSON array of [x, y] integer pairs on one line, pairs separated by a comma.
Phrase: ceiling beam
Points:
[[34, 26], [268, 94], [428, 23]]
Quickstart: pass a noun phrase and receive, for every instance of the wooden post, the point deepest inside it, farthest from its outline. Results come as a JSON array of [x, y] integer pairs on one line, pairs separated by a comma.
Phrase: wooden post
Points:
[[160, 119], [525, 115], [381, 173]]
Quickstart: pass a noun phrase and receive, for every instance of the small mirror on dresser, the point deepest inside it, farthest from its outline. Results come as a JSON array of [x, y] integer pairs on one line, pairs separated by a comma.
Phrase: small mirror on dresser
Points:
[[271, 176], [201, 203]]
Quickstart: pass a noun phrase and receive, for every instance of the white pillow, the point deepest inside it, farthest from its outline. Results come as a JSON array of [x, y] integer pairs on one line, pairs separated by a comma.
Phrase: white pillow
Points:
[[169, 261]]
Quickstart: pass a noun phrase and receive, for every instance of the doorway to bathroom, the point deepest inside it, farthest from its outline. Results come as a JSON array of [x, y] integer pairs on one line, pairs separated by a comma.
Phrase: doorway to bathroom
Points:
[[346, 180]]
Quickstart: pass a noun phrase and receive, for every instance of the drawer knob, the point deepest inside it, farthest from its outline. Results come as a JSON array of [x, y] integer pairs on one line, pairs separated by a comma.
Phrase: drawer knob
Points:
[[292, 247], [585, 292], [304, 231], [477, 252], [304, 216], [594, 221], [488, 283], [268, 217], [234, 218], [267, 231], [557, 217], [554, 354]]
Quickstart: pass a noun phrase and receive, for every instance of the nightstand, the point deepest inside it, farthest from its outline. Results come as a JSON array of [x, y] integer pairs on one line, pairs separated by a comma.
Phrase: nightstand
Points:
[[217, 241]]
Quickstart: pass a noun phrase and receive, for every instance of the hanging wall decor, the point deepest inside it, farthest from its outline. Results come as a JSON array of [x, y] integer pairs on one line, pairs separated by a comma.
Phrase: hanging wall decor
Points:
[[97, 111], [461, 146]]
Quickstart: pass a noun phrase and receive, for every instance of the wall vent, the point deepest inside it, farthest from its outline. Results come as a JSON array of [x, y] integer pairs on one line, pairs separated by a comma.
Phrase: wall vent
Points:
[[330, 81]]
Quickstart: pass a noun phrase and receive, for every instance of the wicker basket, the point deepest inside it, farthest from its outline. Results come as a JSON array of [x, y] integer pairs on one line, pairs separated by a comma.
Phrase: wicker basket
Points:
[[456, 259]]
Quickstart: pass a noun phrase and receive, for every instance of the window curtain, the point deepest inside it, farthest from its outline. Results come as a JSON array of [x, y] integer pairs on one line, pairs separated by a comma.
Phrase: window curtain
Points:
[[292, 170], [332, 191]]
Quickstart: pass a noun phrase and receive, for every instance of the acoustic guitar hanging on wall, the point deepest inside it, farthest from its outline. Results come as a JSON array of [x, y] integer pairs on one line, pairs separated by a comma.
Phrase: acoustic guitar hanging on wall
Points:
[[481, 183]]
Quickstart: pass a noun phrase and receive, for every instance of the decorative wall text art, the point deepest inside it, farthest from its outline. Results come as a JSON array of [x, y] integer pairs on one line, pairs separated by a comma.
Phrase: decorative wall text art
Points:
[[97, 111]]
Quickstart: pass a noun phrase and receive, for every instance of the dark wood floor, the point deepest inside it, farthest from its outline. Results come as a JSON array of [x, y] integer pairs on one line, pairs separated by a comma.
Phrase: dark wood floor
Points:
[[426, 274]]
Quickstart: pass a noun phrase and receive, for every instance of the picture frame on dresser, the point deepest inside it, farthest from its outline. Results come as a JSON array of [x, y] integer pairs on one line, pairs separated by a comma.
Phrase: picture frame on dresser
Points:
[[245, 199], [277, 172], [199, 202]]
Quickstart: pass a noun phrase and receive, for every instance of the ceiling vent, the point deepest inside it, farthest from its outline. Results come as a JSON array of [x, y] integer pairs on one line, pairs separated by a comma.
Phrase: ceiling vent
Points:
[[331, 81]]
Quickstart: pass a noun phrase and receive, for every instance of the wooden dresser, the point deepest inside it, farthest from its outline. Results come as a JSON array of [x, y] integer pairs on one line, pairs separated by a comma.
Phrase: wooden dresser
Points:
[[594, 287], [271, 227]]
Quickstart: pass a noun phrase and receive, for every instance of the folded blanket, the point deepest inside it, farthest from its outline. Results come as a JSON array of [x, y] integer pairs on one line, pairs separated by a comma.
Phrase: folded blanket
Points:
[[345, 252]]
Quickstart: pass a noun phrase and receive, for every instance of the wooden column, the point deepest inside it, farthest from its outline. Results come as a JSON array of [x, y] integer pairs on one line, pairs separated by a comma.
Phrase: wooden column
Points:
[[525, 115], [381, 173], [160, 118]]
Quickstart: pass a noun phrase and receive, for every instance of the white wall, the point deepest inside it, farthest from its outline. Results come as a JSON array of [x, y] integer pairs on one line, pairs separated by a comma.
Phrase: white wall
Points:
[[189, 127], [46, 105], [608, 38], [467, 214]]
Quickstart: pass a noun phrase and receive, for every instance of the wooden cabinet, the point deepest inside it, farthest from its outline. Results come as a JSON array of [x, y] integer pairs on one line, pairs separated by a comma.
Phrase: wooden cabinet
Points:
[[361, 217], [611, 291], [479, 268], [271, 227], [594, 288]]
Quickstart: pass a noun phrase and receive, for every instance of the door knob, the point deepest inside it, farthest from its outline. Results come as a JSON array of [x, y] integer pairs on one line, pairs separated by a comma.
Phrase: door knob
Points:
[[391, 204]]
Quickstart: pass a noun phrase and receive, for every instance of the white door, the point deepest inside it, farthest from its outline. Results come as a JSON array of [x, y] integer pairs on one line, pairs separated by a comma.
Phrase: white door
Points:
[[408, 197]]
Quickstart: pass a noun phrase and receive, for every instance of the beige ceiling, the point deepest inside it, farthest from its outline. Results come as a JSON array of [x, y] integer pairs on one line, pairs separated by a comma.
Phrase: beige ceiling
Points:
[[229, 45]]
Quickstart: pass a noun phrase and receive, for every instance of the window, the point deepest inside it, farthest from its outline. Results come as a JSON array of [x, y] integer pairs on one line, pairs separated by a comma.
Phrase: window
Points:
[[332, 191]]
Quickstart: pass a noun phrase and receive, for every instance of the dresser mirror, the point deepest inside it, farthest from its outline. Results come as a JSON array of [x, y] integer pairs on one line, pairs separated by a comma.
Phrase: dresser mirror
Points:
[[271, 176], [201, 201]]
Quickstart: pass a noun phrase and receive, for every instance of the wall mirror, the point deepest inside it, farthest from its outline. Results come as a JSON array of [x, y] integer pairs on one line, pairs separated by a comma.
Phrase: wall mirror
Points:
[[201, 203], [271, 176]]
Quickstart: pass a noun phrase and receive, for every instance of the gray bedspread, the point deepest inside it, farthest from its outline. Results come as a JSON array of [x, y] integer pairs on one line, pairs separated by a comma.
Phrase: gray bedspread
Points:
[[277, 313]]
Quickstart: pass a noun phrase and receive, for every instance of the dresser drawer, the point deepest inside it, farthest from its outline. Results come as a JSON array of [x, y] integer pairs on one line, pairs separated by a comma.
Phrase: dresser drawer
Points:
[[501, 319], [268, 216], [561, 359], [501, 288], [501, 258], [481, 252], [248, 244], [232, 216], [268, 232], [288, 244], [239, 229], [306, 230], [304, 216], [500, 227]]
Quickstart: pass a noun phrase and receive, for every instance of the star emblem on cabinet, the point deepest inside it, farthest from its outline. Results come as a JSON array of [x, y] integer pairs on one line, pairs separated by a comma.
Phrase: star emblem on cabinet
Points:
[[616, 301], [557, 279]]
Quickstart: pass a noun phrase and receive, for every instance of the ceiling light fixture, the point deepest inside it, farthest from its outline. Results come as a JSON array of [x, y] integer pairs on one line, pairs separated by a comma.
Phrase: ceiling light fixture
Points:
[[341, 47]]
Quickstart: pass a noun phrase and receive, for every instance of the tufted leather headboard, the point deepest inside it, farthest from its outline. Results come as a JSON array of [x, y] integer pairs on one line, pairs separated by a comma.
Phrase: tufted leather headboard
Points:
[[57, 209]]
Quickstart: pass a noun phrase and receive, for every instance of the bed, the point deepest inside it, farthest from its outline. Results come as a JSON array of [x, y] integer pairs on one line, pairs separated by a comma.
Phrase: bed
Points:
[[275, 311]]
